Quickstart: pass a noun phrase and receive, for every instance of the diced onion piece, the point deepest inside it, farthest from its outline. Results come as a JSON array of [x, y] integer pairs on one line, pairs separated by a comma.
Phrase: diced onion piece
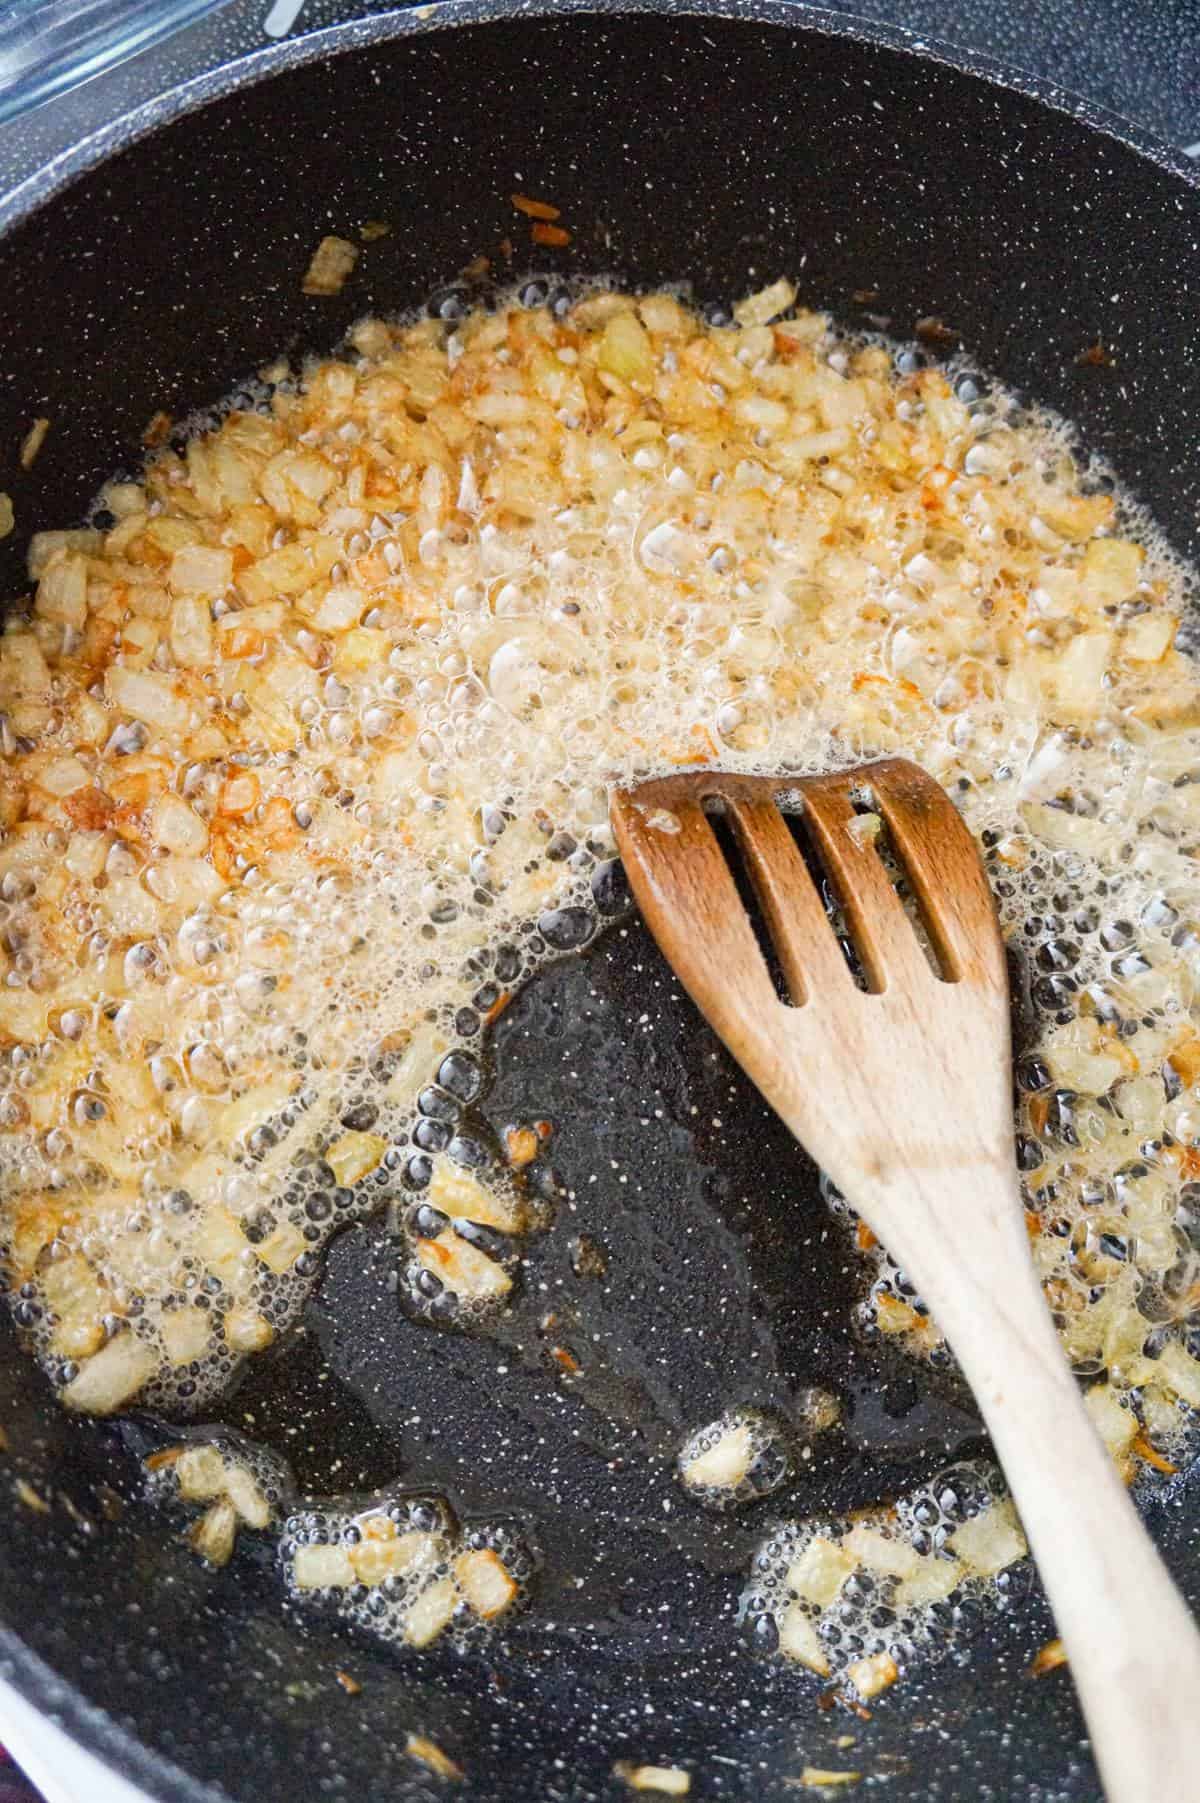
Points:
[[1148, 638], [200, 1473], [177, 827], [871, 1675], [45, 545], [417, 1746], [1178, 1371], [215, 1534], [148, 696], [111, 1376], [295, 481], [819, 1777], [246, 1497], [761, 308], [289, 571], [32, 442], [1084, 1061], [354, 1155], [1068, 832], [662, 1780], [246, 634], [339, 608], [820, 1571], [663, 315], [123, 499], [1140, 1102], [280, 1250], [191, 632], [1116, 1425], [376, 1559], [24, 1015], [931, 1581], [799, 1640], [426, 1045], [881, 1552], [332, 262], [894, 1315], [77, 1296], [990, 1541], [22, 666], [7, 517], [200, 570], [62, 776], [625, 350], [224, 1248], [1056, 596], [322, 1568], [457, 1192], [1077, 674], [1076, 517], [760, 413], [431, 1612], [361, 649], [185, 1334], [246, 1330], [484, 1582], [463, 1268], [77, 1337], [865, 828], [1111, 569], [255, 1108], [62, 591], [724, 1465]]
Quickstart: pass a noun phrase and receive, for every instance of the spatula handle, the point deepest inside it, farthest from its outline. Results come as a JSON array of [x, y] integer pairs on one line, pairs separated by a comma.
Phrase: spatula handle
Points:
[[1132, 1644]]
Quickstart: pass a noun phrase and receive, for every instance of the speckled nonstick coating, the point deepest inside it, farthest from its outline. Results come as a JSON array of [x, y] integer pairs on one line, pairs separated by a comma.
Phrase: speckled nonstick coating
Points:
[[155, 266]]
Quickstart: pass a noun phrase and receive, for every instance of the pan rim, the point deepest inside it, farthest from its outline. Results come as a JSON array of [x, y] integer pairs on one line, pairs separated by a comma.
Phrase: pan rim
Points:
[[45, 182], [85, 1723]]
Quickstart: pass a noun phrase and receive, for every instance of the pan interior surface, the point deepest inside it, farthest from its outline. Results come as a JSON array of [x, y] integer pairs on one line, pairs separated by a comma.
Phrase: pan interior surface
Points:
[[741, 147]]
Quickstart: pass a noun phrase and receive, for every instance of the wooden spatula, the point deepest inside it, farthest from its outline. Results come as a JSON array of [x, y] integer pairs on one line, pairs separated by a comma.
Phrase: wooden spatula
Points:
[[902, 1093]]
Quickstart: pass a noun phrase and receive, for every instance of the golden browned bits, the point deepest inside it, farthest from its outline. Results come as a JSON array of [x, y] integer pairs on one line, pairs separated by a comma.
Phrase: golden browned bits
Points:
[[1048, 1658], [535, 209]]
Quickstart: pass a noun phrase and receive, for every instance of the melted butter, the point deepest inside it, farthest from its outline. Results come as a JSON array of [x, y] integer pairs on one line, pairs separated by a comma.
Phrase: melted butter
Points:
[[307, 761]]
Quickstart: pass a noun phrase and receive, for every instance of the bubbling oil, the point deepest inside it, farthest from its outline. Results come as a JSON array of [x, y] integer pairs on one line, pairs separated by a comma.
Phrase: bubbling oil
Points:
[[858, 1602], [399, 1565], [405, 1570], [307, 743], [224, 1483], [735, 1460]]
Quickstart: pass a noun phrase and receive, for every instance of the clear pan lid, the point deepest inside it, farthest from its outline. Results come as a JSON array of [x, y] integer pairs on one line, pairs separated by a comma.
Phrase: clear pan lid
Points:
[[48, 46]]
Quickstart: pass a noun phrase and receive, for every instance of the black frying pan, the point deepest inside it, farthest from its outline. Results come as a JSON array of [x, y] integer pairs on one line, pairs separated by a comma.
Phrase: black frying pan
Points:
[[723, 144]]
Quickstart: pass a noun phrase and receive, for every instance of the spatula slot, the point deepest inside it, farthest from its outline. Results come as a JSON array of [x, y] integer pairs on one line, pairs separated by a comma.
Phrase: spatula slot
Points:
[[871, 878], [792, 916], [835, 914], [726, 837], [876, 833], [821, 886]]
